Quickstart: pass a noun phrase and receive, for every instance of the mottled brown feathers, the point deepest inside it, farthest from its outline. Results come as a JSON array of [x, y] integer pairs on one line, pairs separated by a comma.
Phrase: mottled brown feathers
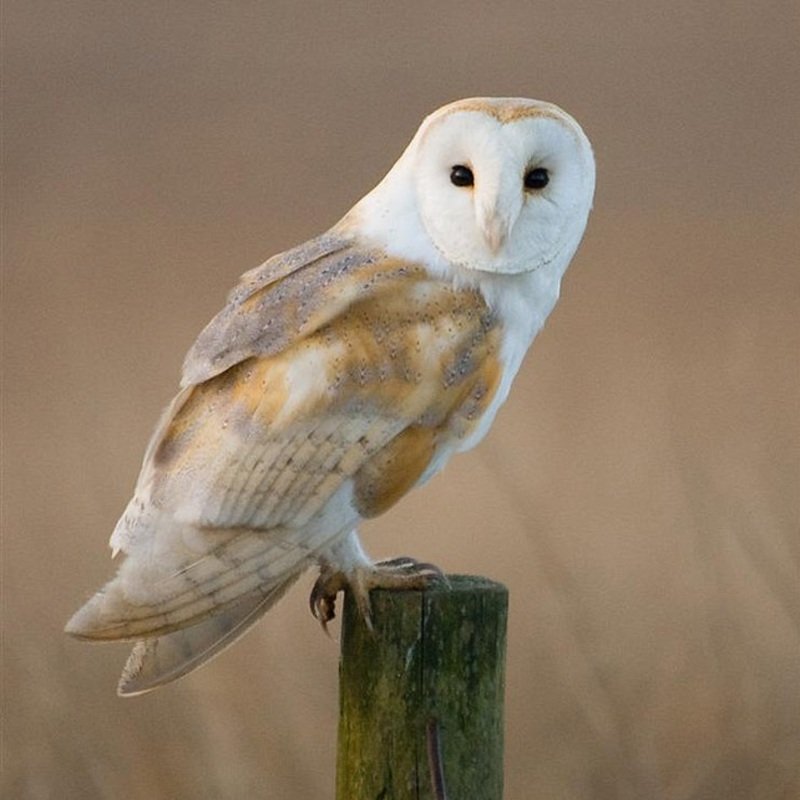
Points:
[[315, 381]]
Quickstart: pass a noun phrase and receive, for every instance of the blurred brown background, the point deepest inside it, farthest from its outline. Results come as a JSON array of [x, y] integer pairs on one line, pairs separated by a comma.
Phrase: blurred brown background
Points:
[[639, 492]]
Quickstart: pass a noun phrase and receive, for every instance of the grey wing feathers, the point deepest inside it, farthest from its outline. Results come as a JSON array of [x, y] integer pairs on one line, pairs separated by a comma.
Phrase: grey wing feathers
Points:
[[285, 297]]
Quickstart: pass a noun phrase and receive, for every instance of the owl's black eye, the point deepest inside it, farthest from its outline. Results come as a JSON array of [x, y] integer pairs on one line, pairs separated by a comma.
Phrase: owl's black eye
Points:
[[537, 178], [461, 176]]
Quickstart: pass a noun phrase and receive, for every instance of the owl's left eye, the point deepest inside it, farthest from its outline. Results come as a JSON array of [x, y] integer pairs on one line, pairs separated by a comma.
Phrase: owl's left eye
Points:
[[461, 176], [537, 178]]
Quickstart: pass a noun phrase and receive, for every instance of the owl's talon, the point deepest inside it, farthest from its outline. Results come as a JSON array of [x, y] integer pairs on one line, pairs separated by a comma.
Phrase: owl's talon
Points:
[[398, 562], [323, 596], [410, 566], [324, 609], [394, 573]]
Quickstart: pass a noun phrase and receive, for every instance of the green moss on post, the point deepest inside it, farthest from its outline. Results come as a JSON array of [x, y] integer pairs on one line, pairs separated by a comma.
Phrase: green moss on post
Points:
[[421, 697]]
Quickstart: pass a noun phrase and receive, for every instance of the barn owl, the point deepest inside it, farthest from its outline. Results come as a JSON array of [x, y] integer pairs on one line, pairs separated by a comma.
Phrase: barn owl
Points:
[[340, 375]]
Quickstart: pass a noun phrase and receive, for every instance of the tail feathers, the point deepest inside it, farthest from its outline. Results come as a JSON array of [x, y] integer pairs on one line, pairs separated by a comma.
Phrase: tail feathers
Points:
[[156, 595], [157, 661]]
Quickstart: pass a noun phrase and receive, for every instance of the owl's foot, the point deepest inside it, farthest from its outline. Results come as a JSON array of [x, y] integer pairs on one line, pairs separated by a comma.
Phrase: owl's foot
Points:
[[395, 573]]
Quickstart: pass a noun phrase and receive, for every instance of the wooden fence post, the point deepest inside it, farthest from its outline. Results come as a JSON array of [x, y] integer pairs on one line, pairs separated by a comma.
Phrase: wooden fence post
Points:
[[421, 696]]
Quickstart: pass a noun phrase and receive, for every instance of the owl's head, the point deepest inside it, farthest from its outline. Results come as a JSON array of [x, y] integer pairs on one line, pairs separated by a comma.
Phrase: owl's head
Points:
[[502, 184]]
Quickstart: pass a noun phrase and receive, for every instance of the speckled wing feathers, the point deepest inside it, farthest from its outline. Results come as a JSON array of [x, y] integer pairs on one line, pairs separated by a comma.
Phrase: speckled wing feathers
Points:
[[382, 348], [290, 295]]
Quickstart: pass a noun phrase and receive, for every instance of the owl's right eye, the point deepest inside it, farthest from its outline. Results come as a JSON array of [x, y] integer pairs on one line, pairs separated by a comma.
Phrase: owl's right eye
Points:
[[461, 176]]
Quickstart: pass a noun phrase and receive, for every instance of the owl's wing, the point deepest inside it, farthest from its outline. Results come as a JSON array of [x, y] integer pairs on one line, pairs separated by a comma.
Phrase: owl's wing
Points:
[[318, 396], [322, 359]]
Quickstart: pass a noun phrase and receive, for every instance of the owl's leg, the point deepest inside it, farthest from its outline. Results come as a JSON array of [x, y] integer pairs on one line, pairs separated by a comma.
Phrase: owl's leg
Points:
[[347, 566]]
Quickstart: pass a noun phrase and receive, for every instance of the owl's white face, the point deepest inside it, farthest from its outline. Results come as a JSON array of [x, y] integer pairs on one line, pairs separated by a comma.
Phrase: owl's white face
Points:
[[503, 185]]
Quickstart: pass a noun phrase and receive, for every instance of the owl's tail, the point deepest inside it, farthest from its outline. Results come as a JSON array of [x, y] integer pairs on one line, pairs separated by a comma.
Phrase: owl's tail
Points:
[[187, 601], [160, 660]]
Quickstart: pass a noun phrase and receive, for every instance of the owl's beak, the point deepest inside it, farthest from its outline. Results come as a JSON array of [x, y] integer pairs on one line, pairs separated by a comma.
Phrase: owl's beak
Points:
[[495, 232], [496, 221]]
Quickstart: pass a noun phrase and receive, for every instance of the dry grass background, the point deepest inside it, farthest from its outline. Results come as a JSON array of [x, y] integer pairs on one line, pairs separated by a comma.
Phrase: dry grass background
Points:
[[638, 494]]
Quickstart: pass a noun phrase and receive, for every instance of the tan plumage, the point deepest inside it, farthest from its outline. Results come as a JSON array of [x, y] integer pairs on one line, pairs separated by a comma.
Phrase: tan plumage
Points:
[[338, 376]]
